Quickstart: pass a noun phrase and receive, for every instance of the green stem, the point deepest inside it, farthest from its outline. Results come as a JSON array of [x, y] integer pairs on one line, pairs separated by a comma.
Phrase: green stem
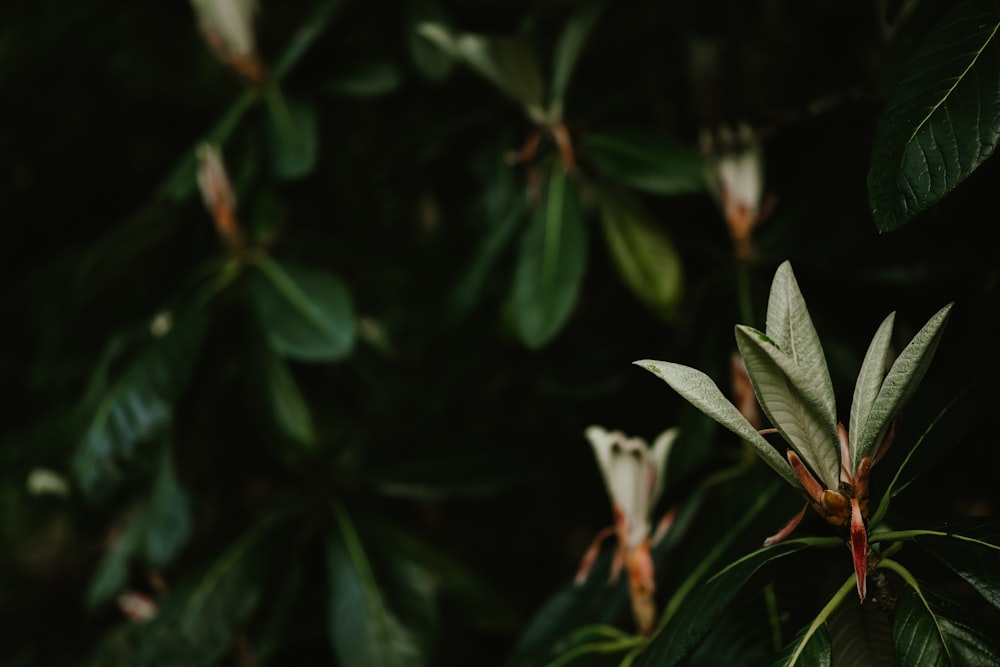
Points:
[[771, 602]]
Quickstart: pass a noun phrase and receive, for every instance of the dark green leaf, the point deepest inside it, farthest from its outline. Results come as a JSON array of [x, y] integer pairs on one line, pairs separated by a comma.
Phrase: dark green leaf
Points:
[[943, 118], [196, 622], [289, 407], [567, 52], [860, 634], [699, 612], [647, 160], [112, 572], [293, 135], [974, 555], [643, 253], [368, 78], [552, 260], [814, 652], [932, 630], [138, 408], [305, 312], [376, 614], [168, 519]]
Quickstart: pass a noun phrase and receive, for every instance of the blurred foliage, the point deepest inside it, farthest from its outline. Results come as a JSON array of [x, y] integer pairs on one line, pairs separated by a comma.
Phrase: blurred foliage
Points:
[[352, 433]]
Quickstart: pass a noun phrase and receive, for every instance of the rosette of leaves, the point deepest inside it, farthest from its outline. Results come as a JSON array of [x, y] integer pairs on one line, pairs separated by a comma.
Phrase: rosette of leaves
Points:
[[829, 464]]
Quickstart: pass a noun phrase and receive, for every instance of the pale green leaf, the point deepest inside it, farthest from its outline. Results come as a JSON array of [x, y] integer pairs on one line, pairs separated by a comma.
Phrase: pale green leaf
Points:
[[704, 394], [551, 262], [870, 377], [643, 253], [791, 402], [791, 329], [305, 312], [899, 384]]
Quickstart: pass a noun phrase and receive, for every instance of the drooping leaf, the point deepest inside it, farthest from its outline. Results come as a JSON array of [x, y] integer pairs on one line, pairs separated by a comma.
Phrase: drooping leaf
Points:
[[973, 554], [196, 622], [643, 253], [943, 118], [791, 402], [870, 377], [646, 160], [138, 408], [900, 383], [933, 630], [567, 51], [507, 61], [368, 605], [791, 328], [112, 572], [305, 312], [698, 613], [705, 395], [551, 264], [293, 136]]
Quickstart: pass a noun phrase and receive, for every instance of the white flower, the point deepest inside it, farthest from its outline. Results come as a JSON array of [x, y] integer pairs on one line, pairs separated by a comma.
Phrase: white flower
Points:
[[738, 169]]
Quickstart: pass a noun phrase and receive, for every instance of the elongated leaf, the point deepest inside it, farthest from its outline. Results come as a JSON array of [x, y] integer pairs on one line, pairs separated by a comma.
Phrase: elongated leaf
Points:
[[293, 135], [366, 78], [973, 555], [168, 519], [791, 329], [643, 253], [932, 630], [306, 313], [699, 612], [647, 160], [552, 260], [870, 377], [508, 62], [112, 572], [138, 408], [943, 118], [288, 405], [790, 401], [900, 383], [567, 51], [860, 634], [811, 646], [704, 394], [365, 624], [195, 624]]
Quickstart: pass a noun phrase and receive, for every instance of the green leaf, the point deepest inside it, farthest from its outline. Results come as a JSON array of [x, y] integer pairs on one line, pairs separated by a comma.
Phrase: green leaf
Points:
[[791, 402], [900, 383], [507, 62], [365, 621], [643, 253], [933, 630], [943, 118], [305, 312], [870, 378], [705, 395], [138, 408], [790, 327], [289, 407], [293, 136], [698, 613], [168, 517], [860, 634], [367, 78], [973, 555], [112, 572], [646, 160], [811, 647], [196, 623], [551, 264], [567, 52]]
